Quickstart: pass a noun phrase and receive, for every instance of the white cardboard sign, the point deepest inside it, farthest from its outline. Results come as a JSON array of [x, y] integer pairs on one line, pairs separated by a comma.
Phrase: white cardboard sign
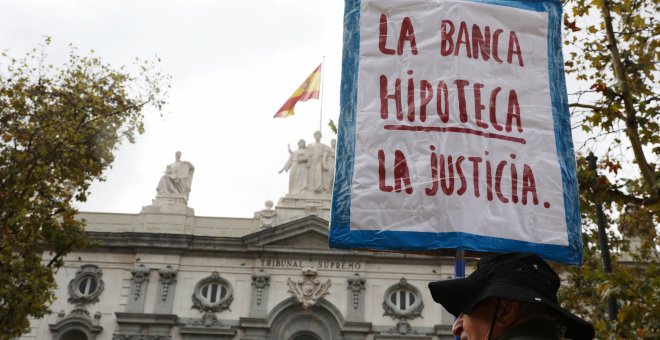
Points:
[[454, 130]]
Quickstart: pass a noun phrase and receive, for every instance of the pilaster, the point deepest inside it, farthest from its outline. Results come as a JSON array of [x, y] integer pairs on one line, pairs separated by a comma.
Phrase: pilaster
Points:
[[259, 296], [138, 291], [254, 328], [166, 286], [356, 286]]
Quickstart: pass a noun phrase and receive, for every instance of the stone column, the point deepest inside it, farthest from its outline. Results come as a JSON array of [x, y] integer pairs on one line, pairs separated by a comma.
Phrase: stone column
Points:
[[165, 297], [259, 296], [138, 289], [356, 286]]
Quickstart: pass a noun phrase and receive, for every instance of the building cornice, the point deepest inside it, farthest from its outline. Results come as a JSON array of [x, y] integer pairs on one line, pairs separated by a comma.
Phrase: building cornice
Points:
[[130, 242]]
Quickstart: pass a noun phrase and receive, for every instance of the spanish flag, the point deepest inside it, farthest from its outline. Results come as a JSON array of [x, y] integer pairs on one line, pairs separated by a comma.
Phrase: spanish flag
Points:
[[309, 89]]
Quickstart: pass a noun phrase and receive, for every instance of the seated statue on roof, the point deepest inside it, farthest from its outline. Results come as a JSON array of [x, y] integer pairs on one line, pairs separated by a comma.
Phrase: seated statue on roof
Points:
[[177, 178]]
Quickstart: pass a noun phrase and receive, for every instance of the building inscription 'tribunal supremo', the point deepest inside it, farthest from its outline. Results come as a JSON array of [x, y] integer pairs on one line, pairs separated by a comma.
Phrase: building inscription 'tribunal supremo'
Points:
[[298, 263]]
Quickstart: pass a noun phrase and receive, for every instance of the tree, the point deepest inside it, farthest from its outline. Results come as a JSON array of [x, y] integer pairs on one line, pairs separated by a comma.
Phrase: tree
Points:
[[59, 128], [613, 54]]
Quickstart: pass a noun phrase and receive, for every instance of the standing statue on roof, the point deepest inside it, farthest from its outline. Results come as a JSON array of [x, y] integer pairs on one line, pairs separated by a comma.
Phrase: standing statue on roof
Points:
[[329, 165], [317, 181], [297, 166]]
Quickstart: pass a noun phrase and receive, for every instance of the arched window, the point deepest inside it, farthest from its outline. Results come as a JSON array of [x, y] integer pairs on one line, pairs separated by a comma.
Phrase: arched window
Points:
[[74, 334], [86, 286], [305, 336], [76, 326], [212, 294], [403, 301]]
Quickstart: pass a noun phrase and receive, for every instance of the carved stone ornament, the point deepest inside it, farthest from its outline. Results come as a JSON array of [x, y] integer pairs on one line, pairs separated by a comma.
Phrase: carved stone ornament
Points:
[[308, 290], [402, 327], [407, 304], [167, 278], [260, 280], [140, 274], [356, 285], [212, 294], [86, 286], [208, 320], [268, 215]]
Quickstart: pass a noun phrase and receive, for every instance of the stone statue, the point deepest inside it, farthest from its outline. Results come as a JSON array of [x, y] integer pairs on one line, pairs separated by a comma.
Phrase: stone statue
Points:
[[329, 165], [177, 178], [297, 166], [318, 172], [311, 174]]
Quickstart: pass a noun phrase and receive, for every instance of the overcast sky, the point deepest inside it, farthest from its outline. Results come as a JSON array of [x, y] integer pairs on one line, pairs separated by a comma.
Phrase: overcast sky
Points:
[[233, 63]]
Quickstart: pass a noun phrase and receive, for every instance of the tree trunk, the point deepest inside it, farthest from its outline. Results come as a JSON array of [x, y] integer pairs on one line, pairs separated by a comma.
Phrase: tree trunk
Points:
[[631, 119]]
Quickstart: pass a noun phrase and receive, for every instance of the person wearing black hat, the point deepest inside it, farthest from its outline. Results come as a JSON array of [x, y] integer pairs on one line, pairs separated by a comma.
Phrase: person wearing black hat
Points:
[[509, 296]]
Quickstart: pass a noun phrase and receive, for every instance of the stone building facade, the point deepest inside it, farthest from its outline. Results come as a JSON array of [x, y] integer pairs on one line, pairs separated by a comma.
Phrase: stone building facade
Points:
[[167, 274]]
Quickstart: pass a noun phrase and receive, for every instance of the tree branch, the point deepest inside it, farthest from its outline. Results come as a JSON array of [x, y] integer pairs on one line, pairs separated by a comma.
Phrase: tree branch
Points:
[[57, 256], [604, 193], [631, 120], [586, 106], [597, 108]]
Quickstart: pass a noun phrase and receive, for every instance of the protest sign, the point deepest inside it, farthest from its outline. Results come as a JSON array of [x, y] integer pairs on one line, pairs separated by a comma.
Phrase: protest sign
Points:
[[454, 130]]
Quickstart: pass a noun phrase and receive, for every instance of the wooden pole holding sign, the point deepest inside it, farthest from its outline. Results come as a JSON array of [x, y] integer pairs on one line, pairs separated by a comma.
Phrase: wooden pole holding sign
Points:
[[459, 271], [459, 264]]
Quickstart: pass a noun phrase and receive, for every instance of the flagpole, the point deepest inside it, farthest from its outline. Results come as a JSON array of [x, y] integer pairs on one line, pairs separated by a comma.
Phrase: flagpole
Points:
[[321, 94]]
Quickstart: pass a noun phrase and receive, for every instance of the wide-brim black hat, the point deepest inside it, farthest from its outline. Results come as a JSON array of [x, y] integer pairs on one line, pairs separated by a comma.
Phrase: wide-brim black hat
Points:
[[521, 277]]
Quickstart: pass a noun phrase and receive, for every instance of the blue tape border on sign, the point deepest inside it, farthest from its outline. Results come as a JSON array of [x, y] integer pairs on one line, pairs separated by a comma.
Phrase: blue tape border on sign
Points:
[[341, 236], [344, 163]]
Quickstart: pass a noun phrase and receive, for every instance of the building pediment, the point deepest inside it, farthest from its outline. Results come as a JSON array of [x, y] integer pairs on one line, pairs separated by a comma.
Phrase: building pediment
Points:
[[308, 239], [310, 232]]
